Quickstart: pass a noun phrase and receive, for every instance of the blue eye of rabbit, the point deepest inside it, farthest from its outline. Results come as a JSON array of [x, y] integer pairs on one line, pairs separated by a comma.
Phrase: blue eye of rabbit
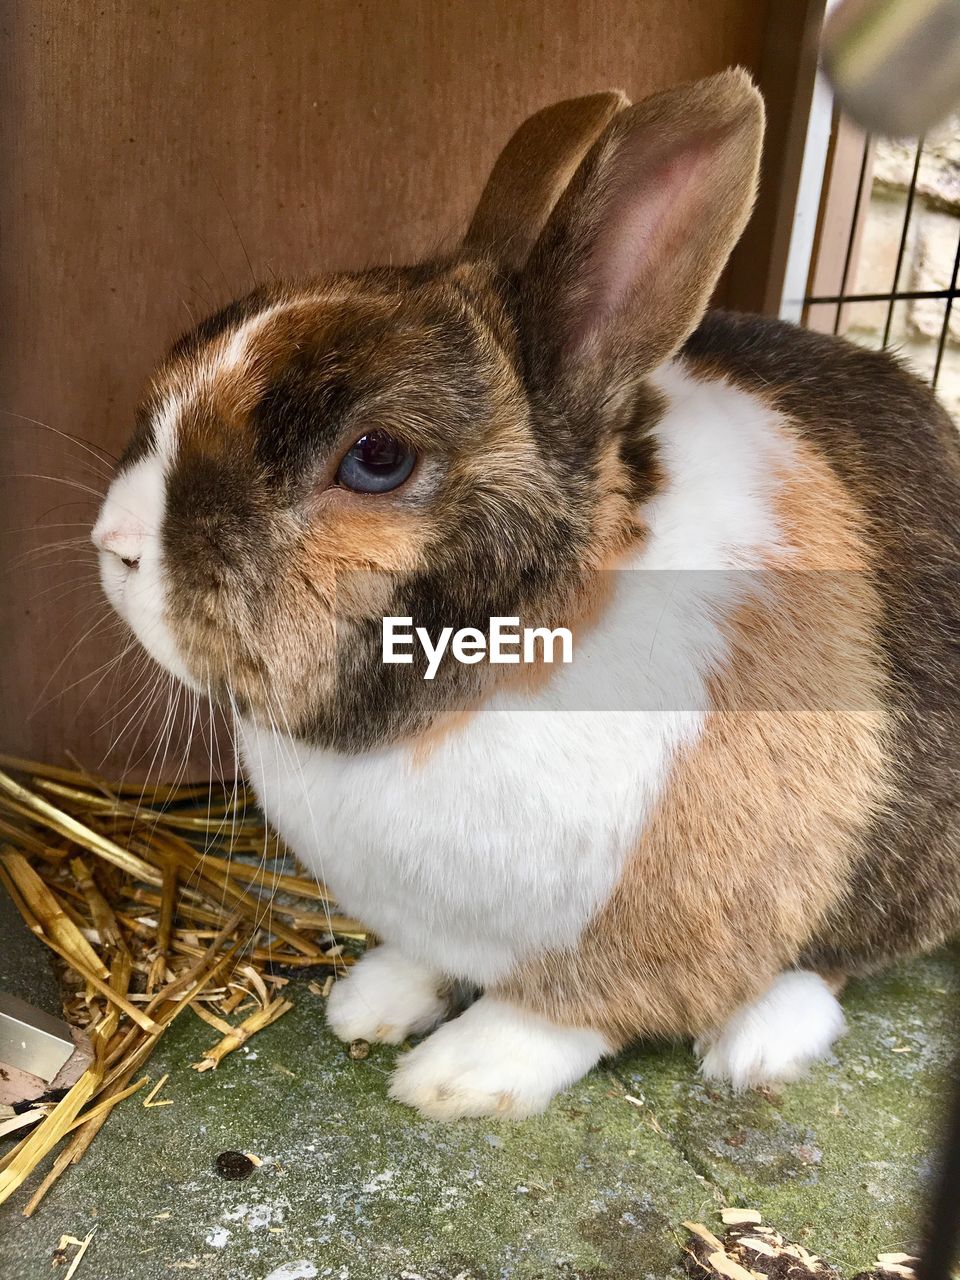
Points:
[[376, 463]]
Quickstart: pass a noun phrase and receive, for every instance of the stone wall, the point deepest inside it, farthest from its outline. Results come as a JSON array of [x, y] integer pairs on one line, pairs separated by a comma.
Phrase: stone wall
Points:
[[928, 259]]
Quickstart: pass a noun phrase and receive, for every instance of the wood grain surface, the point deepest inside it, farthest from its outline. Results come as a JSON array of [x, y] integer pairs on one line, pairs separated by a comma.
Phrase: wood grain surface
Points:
[[149, 149]]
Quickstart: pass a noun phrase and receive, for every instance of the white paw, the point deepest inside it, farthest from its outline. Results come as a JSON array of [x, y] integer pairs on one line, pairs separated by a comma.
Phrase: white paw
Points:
[[776, 1037], [384, 997], [494, 1060]]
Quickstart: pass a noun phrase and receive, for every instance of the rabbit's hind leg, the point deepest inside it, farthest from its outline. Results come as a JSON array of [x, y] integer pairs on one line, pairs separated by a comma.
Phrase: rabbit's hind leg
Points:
[[775, 1038]]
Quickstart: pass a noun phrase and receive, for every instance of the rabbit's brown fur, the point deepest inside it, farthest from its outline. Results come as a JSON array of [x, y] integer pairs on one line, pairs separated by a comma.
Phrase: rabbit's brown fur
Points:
[[895, 450], [763, 825]]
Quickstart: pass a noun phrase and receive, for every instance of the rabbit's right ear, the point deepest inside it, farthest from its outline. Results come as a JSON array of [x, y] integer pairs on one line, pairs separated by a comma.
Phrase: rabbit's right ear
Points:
[[630, 255], [532, 172]]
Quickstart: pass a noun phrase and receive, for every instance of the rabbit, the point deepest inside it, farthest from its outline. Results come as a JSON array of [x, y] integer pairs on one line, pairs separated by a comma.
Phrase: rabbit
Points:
[[744, 787]]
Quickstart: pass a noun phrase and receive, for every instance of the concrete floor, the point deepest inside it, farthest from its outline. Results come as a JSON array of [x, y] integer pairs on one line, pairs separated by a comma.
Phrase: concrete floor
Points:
[[356, 1187]]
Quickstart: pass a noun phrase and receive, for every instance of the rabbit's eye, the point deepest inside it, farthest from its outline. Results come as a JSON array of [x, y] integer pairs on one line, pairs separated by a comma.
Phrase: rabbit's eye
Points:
[[376, 463]]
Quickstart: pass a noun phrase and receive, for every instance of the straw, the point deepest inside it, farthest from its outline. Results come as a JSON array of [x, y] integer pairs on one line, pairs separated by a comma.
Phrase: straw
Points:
[[151, 911]]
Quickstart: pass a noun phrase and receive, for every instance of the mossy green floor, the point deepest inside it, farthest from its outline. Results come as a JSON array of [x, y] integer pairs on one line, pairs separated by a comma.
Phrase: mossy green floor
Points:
[[354, 1186]]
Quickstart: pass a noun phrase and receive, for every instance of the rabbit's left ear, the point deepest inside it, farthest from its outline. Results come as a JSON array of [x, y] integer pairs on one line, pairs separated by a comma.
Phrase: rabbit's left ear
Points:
[[630, 255], [531, 173]]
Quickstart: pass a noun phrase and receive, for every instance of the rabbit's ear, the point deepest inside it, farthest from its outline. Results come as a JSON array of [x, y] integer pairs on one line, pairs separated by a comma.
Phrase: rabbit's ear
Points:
[[531, 173], [629, 257]]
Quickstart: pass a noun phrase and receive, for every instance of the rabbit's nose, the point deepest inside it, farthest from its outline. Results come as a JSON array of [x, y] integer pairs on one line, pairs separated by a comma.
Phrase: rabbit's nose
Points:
[[124, 540]]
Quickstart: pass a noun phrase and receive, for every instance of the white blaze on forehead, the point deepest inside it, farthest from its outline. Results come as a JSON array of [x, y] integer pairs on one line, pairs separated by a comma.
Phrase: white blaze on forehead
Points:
[[165, 426], [230, 352]]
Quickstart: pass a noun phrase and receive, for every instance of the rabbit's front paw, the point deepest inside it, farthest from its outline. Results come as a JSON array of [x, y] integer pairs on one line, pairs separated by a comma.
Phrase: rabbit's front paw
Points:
[[495, 1059], [385, 997]]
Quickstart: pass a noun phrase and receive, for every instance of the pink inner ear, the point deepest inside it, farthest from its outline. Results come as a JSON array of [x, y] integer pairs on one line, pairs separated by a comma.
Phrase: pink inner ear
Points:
[[654, 206]]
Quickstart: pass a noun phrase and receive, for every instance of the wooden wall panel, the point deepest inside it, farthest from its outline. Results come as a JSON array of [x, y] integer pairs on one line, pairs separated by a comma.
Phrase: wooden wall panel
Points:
[[788, 67], [333, 134]]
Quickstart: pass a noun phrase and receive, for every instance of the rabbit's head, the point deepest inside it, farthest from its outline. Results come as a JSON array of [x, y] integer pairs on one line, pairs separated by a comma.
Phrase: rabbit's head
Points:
[[466, 438]]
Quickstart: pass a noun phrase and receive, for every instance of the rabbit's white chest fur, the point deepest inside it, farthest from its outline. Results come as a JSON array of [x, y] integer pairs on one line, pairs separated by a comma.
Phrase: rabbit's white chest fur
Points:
[[508, 835], [504, 841]]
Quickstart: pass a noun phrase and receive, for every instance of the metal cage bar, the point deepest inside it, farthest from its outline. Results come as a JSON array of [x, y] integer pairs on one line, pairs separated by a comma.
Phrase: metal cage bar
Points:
[[852, 238], [847, 295], [945, 327]]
